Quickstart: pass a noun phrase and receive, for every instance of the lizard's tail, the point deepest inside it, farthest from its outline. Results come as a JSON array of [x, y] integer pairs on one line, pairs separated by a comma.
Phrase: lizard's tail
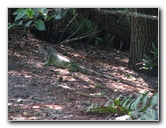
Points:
[[91, 72]]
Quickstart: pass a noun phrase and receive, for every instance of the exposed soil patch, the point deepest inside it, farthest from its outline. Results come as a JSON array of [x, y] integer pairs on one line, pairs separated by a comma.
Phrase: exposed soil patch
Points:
[[34, 92]]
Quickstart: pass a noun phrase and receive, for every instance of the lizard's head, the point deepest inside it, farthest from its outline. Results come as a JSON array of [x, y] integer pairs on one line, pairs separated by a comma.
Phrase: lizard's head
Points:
[[46, 50], [43, 50]]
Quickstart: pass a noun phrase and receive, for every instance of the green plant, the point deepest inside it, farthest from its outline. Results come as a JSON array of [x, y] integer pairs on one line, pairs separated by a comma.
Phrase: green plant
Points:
[[26, 17], [141, 108], [29, 17], [150, 62]]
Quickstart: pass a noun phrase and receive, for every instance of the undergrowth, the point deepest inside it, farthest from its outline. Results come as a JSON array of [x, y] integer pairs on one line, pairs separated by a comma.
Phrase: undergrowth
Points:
[[144, 107]]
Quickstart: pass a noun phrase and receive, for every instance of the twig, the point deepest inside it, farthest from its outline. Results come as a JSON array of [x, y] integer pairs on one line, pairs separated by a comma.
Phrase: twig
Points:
[[121, 43], [86, 32], [77, 38], [146, 61], [68, 39], [67, 26], [101, 53], [76, 30], [110, 42]]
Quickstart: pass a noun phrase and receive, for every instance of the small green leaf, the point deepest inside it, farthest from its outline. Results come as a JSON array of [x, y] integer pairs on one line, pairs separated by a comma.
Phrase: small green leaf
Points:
[[58, 17], [74, 11], [134, 114], [39, 24], [136, 102], [144, 99], [36, 12], [129, 105], [51, 16], [10, 25], [126, 101], [20, 23], [28, 23], [44, 11], [30, 12], [154, 100], [116, 102]]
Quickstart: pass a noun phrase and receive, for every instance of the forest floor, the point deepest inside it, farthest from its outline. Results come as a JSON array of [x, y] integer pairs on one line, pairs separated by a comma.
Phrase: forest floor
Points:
[[35, 94]]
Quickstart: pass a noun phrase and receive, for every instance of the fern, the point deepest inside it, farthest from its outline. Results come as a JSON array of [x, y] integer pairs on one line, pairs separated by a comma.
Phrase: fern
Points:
[[141, 108]]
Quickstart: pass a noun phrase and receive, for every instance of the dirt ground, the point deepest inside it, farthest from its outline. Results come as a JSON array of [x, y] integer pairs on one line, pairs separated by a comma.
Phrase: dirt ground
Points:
[[34, 90]]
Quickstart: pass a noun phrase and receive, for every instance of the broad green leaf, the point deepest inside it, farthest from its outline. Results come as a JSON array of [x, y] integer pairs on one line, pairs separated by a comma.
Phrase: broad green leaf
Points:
[[20, 15], [39, 24], [18, 11]]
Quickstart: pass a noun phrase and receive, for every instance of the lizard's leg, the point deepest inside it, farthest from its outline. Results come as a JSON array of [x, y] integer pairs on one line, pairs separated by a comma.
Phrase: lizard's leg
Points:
[[48, 61], [74, 67]]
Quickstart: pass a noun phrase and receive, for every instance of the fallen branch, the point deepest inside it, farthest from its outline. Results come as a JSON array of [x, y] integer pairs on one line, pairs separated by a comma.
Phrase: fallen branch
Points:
[[128, 13]]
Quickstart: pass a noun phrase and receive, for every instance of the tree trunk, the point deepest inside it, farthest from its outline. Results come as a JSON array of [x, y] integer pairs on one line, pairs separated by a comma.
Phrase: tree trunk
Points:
[[144, 32]]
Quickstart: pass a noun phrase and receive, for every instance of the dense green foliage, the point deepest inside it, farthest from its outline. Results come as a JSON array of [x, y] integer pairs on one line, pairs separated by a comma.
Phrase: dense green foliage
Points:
[[26, 17], [70, 22], [141, 108], [37, 16]]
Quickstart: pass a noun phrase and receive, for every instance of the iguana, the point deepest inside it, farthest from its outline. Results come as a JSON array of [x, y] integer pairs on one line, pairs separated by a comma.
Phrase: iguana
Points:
[[60, 61]]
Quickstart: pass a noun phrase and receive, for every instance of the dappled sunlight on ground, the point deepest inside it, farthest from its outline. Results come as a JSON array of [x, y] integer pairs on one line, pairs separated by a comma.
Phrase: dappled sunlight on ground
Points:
[[38, 92]]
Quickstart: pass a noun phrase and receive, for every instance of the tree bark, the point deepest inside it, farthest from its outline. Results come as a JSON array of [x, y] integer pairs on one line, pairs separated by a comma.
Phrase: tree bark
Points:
[[144, 32]]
